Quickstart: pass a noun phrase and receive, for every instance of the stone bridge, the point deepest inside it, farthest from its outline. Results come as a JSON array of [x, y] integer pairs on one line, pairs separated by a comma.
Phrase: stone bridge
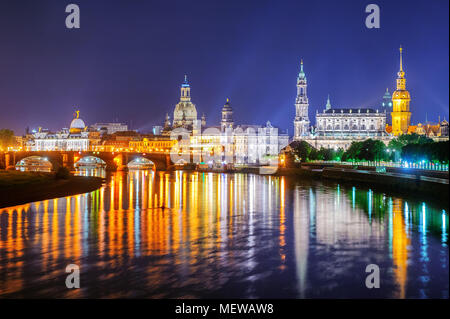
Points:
[[113, 160]]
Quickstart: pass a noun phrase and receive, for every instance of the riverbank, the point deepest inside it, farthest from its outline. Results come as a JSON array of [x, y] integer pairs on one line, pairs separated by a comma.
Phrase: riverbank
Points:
[[18, 188], [414, 183]]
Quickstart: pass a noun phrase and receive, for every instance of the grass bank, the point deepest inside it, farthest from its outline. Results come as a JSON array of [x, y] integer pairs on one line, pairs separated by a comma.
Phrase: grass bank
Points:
[[23, 187]]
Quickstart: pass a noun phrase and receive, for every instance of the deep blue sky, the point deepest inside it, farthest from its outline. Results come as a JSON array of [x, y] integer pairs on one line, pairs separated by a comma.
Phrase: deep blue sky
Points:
[[129, 57]]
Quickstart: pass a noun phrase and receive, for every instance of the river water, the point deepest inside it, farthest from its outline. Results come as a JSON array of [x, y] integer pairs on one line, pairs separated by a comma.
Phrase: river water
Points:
[[182, 234]]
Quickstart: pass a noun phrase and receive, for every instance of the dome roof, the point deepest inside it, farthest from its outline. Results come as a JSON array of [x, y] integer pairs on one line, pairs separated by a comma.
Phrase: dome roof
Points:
[[77, 124], [401, 94]]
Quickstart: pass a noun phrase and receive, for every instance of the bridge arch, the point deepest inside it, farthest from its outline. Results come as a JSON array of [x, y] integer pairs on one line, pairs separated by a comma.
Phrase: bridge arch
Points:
[[140, 162], [56, 159], [34, 162], [88, 160], [113, 160]]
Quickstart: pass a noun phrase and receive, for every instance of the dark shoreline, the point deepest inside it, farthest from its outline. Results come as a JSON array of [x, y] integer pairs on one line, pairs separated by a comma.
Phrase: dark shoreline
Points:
[[48, 188], [395, 185]]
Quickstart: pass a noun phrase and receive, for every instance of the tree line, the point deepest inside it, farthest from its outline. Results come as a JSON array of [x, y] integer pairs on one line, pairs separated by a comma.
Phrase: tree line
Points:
[[409, 147]]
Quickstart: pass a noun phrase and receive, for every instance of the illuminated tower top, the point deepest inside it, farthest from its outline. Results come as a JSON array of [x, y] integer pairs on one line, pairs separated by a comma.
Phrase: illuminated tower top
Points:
[[185, 91], [301, 75], [227, 116]]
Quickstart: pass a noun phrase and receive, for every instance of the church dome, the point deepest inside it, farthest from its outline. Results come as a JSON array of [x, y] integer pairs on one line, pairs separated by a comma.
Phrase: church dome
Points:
[[77, 124]]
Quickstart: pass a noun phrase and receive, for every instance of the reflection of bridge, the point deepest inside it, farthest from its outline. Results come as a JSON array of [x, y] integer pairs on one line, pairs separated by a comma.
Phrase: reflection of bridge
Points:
[[113, 160]]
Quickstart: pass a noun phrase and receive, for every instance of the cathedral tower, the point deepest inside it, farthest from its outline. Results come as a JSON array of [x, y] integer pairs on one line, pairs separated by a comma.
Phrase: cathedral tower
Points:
[[227, 116], [301, 121], [328, 106], [401, 116]]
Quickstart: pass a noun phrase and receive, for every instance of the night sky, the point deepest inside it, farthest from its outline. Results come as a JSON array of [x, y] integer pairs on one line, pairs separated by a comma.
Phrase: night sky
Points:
[[128, 59]]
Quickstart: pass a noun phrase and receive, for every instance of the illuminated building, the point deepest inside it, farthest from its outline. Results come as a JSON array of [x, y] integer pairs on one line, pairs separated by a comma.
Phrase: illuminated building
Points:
[[227, 117], [386, 104], [166, 127], [118, 141], [110, 128], [75, 138], [436, 131], [185, 112], [301, 121], [347, 122], [157, 130], [236, 144], [339, 127], [152, 144], [257, 144], [401, 116]]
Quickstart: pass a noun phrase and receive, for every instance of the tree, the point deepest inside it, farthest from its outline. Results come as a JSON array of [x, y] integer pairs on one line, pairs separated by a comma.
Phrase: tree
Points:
[[352, 153], [301, 150], [368, 150], [326, 154], [405, 139], [338, 154], [6, 138], [435, 151]]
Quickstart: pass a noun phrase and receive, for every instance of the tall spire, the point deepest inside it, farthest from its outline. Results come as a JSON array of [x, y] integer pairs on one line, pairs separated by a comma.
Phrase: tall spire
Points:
[[328, 106], [401, 73], [185, 82], [401, 81]]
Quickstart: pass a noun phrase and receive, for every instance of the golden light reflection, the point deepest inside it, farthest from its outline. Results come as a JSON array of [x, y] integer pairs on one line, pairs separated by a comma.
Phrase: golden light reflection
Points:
[[400, 243], [194, 218]]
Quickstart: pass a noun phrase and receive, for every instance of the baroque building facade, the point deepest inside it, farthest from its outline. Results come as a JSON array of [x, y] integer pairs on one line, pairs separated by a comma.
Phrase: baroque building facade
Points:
[[339, 127], [227, 143], [75, 138], [236, 144]]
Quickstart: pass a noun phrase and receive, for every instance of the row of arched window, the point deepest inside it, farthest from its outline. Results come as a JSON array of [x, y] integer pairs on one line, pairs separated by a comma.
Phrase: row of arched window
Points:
[[347, 128]]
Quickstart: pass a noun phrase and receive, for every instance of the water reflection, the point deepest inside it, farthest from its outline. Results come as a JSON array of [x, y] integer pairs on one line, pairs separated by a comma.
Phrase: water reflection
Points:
[[159, 234]]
